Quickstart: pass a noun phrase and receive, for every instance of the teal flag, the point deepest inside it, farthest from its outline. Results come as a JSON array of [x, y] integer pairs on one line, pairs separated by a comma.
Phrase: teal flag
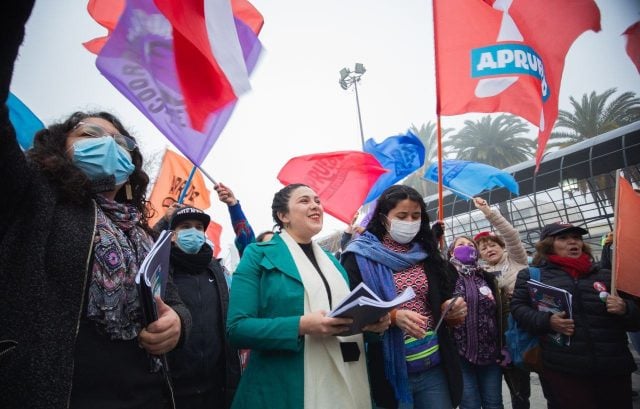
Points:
[[24, 121]]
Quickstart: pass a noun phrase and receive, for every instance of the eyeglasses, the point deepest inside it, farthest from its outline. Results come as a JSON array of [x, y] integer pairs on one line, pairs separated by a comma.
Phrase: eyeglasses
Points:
[[89, 130]]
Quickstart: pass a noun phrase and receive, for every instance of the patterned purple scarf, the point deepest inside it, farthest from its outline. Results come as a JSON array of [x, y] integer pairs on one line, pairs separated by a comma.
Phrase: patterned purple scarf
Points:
[[119, 246], [477, 337]]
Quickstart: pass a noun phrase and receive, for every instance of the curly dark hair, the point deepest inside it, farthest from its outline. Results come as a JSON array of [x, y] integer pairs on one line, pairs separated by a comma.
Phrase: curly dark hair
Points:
[[387, 201], [50, 157], [280, 202]]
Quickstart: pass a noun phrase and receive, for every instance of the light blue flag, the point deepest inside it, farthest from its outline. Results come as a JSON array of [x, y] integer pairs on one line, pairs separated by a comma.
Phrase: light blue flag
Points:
[[24, 121], [401, 155], [470, 178]]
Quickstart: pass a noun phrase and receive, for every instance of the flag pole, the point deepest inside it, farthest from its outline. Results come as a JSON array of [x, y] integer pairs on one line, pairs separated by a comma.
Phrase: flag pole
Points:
[[208, 176], [614, 290], [440, 175], [186, 185], [438, 122], [459, 193]]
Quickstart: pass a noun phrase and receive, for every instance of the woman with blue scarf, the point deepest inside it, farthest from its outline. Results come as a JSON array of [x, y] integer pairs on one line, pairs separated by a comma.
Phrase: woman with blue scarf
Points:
[[412, 365]]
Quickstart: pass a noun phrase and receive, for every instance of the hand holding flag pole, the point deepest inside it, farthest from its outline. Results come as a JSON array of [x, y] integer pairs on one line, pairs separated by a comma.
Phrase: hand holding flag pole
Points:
[[183, 193]]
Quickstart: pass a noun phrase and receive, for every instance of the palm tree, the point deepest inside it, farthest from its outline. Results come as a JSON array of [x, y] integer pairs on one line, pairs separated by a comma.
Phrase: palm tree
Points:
[[592, 116], [427, 135], [495, 142]]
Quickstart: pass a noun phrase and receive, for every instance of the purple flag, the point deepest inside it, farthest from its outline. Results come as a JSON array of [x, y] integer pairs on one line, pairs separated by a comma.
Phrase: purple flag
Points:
[[139, 61]]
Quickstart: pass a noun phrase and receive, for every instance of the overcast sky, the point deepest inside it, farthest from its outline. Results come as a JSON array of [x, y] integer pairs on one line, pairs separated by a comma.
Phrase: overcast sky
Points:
[[296, 106]]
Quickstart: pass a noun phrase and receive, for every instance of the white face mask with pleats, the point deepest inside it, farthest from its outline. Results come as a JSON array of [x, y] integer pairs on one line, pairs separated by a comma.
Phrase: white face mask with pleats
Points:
[[402, 231]]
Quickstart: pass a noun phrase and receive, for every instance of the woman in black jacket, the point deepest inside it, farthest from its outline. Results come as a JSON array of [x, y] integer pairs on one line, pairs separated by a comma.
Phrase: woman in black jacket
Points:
[[594, 370], [73, 233], [410, 362]]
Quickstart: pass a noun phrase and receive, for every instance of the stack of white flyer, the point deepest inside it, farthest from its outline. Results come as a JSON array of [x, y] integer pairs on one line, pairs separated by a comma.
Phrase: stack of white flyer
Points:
[[365, 307]]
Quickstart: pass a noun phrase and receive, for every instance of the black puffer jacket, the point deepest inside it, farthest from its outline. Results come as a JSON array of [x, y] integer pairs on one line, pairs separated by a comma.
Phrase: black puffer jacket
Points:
[[206, 359], [599, 344], [45, 247]]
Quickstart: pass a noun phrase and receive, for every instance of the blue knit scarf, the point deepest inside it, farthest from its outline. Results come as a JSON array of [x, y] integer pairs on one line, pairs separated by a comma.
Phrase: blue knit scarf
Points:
[[377, 265]]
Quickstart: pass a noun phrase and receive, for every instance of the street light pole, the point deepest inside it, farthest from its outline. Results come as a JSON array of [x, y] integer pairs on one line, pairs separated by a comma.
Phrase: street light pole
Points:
[[355, 87], [348, 78]]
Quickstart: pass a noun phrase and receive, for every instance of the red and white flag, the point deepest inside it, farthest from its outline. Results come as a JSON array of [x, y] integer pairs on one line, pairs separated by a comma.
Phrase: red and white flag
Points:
[[633, 43], [507, 56], [185, 82], [209, 59]]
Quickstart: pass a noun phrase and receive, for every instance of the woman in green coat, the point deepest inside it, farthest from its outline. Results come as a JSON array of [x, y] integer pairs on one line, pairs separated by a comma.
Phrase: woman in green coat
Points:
[[282, 290]]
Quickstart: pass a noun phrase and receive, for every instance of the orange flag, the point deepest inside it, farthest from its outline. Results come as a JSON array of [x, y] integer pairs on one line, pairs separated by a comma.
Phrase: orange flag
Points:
[[627, 237], [172, 178], [106, 13]]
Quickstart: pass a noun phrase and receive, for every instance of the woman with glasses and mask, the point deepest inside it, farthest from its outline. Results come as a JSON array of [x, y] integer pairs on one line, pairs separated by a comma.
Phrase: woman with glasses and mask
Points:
[[410, 365], [73, 233]]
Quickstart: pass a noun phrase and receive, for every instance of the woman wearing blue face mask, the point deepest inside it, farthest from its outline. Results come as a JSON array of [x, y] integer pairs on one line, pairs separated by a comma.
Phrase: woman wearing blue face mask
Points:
[[73, 233], [205, 370], [410, 366], [480, 338]]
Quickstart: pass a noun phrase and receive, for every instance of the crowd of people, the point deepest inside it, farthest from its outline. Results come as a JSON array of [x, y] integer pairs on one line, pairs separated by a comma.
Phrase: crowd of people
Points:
[[74, 231]]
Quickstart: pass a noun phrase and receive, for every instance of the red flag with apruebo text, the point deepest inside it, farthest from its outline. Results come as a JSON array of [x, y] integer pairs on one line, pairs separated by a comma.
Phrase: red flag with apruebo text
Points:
[[633, 43], [626, 238], [342, 180], [507, 56]]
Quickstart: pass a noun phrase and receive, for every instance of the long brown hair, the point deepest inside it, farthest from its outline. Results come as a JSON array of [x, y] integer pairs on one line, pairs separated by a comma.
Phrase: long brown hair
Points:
[[49, 156]]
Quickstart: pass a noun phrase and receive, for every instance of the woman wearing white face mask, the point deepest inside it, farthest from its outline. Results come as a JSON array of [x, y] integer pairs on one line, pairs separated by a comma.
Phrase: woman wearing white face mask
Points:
[[410, 366]]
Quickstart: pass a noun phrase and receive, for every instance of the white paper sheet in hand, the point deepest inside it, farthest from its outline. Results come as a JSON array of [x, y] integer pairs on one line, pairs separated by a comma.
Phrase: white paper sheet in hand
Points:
[[365, 307]]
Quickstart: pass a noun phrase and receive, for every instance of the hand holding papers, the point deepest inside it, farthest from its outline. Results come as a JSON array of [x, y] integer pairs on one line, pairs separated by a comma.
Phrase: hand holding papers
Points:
[[152, 276], [151, 282], [365, 307], [547, 298]]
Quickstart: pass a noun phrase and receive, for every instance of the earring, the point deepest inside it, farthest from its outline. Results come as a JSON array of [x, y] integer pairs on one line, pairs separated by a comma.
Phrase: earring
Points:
[[128, 192]]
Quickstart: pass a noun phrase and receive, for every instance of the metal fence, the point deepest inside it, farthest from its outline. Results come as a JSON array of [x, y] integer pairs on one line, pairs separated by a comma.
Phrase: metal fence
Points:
[[575, 185]]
